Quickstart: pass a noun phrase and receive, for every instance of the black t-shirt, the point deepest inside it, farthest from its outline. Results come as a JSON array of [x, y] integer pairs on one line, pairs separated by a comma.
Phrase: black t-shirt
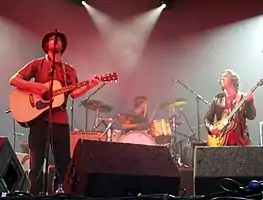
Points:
[[137, 118]]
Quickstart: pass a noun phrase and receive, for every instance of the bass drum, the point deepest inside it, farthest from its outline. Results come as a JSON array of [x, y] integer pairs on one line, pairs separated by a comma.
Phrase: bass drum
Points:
[[137, 137]]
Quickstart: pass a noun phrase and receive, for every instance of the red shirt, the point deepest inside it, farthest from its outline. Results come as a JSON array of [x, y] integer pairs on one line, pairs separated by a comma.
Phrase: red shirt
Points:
[[229, 107]]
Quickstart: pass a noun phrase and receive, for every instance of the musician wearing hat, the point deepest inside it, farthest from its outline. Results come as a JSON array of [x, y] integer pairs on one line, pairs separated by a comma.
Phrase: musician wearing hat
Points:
[[54, 45]]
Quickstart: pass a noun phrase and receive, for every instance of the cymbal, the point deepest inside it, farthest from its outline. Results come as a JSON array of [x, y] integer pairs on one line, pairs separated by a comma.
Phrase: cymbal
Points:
[[97, 105], [179, 102]]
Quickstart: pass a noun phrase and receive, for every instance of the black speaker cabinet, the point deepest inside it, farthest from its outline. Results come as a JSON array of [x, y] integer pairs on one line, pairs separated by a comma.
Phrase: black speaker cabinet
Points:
[[12, 176], [107, 169], [212, 164]]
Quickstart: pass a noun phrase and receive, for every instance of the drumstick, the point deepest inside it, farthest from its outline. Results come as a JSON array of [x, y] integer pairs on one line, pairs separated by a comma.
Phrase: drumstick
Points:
[[145, 110], [152, 115]]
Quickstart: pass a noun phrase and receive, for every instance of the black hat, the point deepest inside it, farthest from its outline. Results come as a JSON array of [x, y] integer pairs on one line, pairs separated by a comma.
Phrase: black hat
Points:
[[62, 36]]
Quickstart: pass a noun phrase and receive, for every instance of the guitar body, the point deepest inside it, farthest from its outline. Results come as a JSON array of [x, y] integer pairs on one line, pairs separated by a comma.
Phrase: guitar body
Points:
[[28, 108], [223, 129]]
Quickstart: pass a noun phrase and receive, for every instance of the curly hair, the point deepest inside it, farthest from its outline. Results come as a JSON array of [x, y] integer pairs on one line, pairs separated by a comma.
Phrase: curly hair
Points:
[[235, 79]]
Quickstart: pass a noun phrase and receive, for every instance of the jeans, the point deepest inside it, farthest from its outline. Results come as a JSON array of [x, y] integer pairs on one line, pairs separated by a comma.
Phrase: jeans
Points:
[[60, 148]]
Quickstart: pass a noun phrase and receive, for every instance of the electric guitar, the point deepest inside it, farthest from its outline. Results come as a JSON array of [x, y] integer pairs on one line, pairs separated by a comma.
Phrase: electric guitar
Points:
[[226, 124], [28, 108]]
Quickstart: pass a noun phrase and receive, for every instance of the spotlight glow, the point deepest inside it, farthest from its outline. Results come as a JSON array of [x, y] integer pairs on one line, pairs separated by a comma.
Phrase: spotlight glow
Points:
[[163, 6], [83, 3]]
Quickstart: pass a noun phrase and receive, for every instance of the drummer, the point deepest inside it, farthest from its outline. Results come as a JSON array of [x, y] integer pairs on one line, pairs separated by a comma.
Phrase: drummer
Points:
[[138, 121]]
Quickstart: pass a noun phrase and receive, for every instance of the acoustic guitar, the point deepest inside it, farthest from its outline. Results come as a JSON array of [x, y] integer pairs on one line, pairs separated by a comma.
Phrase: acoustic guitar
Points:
[[226, 123], [28, 108]]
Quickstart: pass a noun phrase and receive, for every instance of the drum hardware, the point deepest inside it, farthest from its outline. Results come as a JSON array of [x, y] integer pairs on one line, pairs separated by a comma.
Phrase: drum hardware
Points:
[[14, 129], [72, 114], [198, 98], [99, 124], [97, 106], [108, 131], [85, 103], [174, 116], [191, 137], [173, 147]]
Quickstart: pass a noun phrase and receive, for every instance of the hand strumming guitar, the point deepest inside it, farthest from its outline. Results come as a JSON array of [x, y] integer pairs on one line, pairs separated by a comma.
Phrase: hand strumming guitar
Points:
[[38, 88], [214, 130]]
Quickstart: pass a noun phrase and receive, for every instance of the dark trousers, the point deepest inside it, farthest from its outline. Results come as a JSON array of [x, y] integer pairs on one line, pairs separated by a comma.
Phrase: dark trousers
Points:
[[37, 147]]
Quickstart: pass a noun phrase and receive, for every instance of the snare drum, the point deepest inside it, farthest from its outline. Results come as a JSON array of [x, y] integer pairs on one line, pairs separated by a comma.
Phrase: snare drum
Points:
[[137, 137], [161, 131]]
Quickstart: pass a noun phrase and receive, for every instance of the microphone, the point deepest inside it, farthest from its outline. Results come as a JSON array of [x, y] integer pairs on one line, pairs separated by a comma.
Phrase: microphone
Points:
[[7, 110], [55, 41]]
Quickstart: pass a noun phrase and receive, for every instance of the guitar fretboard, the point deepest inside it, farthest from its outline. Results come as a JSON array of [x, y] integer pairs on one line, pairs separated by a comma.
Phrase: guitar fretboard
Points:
[[70, 88], [229, 117]]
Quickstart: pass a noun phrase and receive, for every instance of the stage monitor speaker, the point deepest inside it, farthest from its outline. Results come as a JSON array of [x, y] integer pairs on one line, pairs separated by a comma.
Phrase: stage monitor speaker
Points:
[[213, 164], [12, 176], [108, 169]]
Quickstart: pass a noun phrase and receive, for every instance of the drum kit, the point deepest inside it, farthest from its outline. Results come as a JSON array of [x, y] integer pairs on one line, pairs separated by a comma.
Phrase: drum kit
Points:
[[160, 132]]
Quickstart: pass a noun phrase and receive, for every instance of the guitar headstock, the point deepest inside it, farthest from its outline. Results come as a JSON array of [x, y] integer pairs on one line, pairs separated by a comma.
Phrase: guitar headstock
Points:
[[109, 77], [260, 82]]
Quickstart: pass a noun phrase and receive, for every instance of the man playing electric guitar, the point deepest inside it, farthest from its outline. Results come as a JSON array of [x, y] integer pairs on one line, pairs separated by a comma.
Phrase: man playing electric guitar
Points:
[[39, 70], [236, 132]]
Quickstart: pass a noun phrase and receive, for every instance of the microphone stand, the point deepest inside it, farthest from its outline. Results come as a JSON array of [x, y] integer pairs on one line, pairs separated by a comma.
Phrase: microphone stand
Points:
[[198, 97], [88, 98], [109, 137], [50, 126], [72, 114], [14, 129], [98, 125]]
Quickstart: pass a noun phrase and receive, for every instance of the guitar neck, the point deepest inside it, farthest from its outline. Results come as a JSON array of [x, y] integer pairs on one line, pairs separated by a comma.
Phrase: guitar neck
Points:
[[70, 88], [240, 104], [236, 109]]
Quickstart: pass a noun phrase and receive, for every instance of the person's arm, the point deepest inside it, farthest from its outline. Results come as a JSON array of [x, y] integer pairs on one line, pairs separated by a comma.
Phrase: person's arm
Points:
[[209, 117], [128, 126], [250, 109], [81, 91], [21, 80]]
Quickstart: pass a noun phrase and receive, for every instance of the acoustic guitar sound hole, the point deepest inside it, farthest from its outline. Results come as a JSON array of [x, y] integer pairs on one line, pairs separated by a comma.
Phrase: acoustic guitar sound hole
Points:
[[45, 96]]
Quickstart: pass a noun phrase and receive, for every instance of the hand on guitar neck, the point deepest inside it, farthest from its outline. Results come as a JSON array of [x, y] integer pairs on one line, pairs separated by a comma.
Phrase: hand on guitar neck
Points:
[[94, 81], [249, 96]]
